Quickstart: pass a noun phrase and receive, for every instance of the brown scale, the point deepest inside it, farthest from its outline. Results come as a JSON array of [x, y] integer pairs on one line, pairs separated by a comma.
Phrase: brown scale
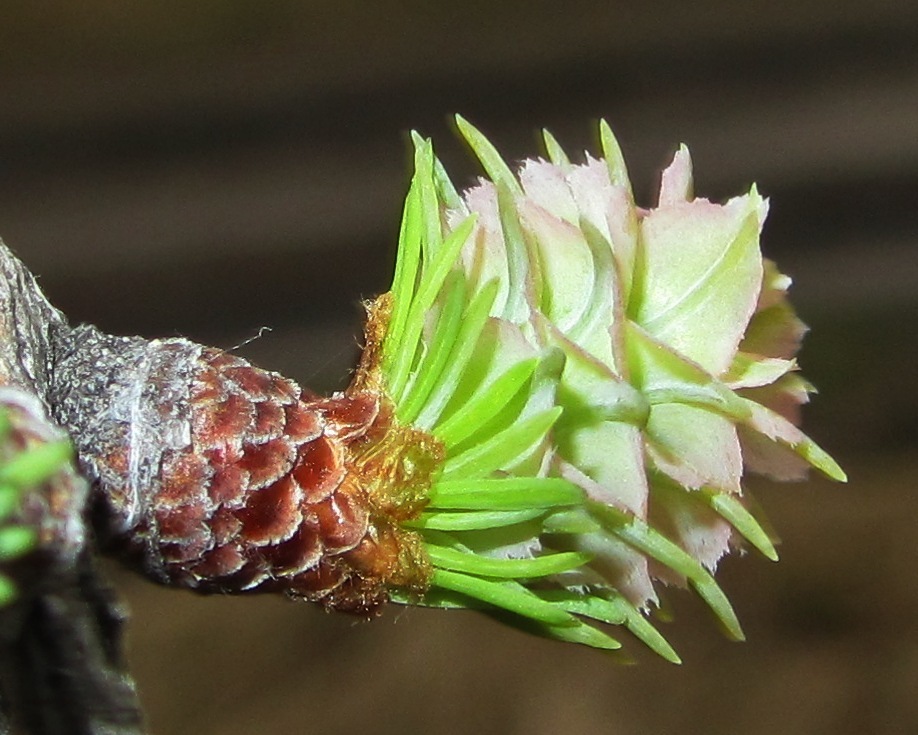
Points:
[[266, 497]]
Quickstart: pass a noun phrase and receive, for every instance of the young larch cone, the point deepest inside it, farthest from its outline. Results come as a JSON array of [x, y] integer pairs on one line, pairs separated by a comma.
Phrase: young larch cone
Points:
[[600, 375], [554, 410], [222, 477]]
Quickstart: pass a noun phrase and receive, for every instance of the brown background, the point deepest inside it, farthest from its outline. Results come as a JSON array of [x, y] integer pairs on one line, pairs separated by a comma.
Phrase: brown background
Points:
[[210, 168]]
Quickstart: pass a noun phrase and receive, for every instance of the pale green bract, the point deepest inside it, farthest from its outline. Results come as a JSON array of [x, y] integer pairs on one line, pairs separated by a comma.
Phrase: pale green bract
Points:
[[599, 375]]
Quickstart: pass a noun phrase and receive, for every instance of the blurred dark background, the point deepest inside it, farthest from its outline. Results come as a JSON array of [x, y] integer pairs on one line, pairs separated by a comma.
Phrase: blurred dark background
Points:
[[210, 168]]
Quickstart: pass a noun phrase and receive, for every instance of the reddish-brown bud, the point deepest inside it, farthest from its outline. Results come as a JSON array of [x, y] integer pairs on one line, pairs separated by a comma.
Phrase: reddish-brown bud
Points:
[[52, 507], [222, 477]]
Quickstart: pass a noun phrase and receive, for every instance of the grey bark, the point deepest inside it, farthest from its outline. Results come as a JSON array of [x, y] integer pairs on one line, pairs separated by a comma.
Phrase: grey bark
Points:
[[62, 671]]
